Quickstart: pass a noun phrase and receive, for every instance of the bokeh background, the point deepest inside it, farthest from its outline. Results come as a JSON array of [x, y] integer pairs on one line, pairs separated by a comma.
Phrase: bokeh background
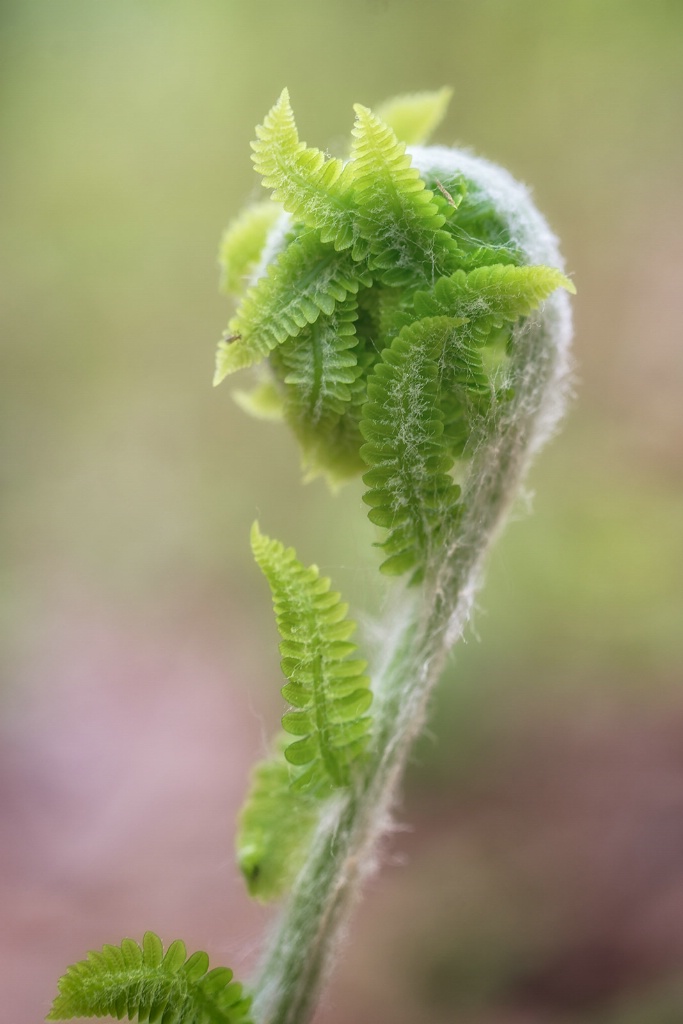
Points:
[[536, 873]]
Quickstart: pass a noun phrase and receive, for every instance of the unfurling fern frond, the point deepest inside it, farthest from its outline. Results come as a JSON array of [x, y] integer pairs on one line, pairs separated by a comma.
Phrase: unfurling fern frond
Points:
[[326, 686], [480, 232], [314, 189], [396, 309], [143, 984], [274, 829], [490, 296], [307, 279], [414, 117], [242, 244], [412, 493], [397, 216]]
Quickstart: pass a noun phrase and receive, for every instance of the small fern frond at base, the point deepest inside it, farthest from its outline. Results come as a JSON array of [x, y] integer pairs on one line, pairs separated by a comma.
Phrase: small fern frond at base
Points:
[[326, 686], [143, 984], [414, 117], [274, 829]]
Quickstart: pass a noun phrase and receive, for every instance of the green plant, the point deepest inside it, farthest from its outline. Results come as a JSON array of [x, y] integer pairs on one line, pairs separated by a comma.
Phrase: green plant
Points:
[[403, 314]]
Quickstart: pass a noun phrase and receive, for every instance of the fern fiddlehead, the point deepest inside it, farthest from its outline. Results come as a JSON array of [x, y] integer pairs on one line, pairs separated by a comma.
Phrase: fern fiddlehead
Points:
[[409, 314], [422, 343]]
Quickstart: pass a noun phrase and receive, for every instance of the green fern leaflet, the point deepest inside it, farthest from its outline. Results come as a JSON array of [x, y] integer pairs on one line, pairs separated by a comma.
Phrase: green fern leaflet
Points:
[[490, 296], [315, 190], [144, 984], [326, 687], [411, 492], [397, 215]]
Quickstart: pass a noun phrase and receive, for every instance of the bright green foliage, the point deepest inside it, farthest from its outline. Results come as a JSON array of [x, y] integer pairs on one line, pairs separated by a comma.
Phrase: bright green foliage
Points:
[[326, 687], [273, 311], [143, 984], [315, 190], [490, 297], [398, 218], [274, 829], [414, 117], [242, 244], [320, 367], [482, 236], [412, 494], [428, 394], [376, 203], [376, 256]]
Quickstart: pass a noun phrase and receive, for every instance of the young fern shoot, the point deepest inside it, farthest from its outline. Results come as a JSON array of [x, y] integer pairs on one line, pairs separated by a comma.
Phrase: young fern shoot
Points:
[[406, 313], [329, 696], [407, 304]]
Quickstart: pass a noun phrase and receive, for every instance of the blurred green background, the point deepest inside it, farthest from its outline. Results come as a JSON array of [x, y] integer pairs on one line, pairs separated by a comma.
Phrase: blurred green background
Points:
[[541, 879]]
